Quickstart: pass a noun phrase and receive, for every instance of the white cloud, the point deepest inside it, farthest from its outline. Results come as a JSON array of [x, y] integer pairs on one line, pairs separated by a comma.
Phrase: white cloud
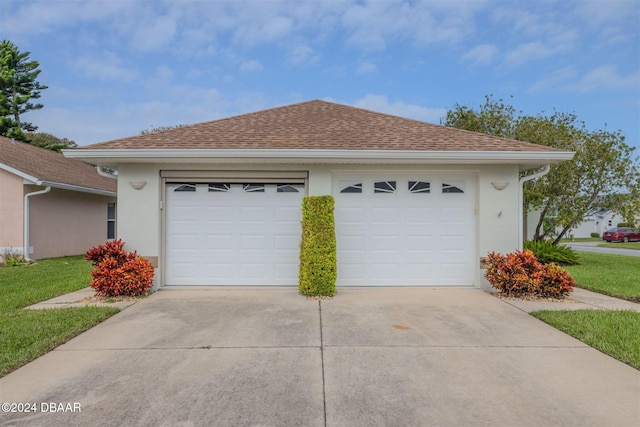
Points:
[[555, 80], [483, 54], [108, 66], [608, 78], [302, 54], [366, 67], [381, 104], [250, 66], [526, 52], [259, 32], [153, 34]]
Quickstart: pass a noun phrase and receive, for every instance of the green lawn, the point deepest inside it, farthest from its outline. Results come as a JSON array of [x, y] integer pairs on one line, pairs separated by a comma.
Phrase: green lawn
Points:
[[613, 332], [614, 275], [28, 334]]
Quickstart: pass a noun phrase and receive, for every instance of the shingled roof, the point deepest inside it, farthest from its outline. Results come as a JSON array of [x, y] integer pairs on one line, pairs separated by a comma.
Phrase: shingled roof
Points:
[[46, 167], [319, 125]]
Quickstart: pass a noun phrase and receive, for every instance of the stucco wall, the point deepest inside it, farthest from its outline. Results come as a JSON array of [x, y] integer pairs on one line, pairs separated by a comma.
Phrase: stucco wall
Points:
[[66, 222], [496, 211], [11, 212]]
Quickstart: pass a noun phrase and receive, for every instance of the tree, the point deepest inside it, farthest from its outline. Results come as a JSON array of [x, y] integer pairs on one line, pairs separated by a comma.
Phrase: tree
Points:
[[18, 87], [603, 164], [48, 141], [160, 129]]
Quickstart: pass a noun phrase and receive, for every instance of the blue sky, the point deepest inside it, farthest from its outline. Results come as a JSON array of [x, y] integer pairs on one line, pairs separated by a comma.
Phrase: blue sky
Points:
[[115, 68]]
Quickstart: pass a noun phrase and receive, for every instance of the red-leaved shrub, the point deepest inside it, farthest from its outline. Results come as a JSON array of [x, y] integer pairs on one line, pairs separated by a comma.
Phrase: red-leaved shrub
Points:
[[117, 272], [520, 273]]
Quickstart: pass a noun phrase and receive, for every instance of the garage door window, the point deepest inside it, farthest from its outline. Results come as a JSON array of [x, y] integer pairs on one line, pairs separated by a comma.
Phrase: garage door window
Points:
[[288, 188], [352, 188], [253, 188], [448, 188], [419, 187], [384, 187], [216, 187], [185, 187]]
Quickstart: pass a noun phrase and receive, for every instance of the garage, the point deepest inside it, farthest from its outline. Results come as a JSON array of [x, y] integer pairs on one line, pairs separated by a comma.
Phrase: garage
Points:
[[417, 204], [405, 229], [224, 232]]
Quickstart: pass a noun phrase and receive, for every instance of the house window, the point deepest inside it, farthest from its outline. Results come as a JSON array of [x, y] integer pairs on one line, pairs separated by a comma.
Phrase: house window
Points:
[[384, 187], [419, 187], [111, 221]]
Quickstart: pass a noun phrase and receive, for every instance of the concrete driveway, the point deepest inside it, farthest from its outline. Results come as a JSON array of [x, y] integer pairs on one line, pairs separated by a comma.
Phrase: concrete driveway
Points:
[[369, 357]]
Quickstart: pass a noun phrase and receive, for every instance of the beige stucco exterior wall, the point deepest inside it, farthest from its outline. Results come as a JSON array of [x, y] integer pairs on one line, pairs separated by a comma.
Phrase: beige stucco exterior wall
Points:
[[66, 222], [496, 211], [11, 212]]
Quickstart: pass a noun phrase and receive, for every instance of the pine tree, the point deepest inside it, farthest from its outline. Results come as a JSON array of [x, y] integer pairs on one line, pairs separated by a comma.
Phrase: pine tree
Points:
[[18, 88]]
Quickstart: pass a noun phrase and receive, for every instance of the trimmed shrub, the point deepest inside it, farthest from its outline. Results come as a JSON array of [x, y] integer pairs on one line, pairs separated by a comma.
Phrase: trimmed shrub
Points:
[[626, 224], [318, 258], [595, 235], [117, 272], [546, 252], [520, 273]]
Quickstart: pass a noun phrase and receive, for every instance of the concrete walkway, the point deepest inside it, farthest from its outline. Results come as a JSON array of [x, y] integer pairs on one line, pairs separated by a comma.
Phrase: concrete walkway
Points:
[[369, 357], [77, 299]]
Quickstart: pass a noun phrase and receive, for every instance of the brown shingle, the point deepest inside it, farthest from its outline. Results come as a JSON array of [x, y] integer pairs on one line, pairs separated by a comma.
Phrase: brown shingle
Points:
[[50, 166], [317, 125]]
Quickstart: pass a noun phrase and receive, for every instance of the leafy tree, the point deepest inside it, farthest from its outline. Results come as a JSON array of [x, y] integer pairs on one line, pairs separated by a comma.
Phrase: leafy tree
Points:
[[159, 129], [603, 163], [48, 141], [18, 87]]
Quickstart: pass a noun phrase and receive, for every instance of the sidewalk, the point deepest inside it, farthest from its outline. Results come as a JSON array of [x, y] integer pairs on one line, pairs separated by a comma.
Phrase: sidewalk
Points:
[[579, 299], [75, 299]]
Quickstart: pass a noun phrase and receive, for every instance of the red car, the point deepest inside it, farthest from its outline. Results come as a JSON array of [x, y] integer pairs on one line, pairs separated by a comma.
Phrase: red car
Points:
[[622, 234]]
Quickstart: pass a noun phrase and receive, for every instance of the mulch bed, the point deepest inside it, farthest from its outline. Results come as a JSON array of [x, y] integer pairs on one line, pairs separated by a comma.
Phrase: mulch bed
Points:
[[534, 298]]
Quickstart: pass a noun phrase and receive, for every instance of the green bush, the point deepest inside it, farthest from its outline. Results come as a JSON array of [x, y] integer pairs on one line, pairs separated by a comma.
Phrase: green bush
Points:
[[546, 252], [318, 258], [595, 234], [626, 224]]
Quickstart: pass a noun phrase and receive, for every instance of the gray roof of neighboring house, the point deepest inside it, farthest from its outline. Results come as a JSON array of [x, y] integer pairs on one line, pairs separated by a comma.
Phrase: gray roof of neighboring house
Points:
[[47, 167], [319, 125]]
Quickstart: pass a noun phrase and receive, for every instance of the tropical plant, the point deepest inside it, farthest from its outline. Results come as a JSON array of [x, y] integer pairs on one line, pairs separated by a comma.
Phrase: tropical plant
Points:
[[117, 272], [18, 89]]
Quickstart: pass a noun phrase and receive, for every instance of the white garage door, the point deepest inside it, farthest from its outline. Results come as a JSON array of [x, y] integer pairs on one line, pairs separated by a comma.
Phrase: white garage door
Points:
[[405, 230], [232, 233]]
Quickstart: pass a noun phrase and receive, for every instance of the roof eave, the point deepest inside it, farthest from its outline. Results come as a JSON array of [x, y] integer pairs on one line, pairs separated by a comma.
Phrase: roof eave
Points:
[[110, 157], [78, 188]]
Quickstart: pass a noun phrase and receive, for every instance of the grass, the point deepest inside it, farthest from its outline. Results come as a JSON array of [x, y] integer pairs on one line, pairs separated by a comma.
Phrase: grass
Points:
[[28, 334], [614, 275], [621, 245], [581, 239], [613, 332]]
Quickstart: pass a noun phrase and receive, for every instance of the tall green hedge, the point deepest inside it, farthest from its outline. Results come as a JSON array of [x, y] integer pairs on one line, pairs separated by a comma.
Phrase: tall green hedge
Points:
[[318, 259]]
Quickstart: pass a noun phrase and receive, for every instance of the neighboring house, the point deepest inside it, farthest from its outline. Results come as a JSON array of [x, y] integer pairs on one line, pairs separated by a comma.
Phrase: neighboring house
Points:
[[52, 205], [218, 203], [596, 221]]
